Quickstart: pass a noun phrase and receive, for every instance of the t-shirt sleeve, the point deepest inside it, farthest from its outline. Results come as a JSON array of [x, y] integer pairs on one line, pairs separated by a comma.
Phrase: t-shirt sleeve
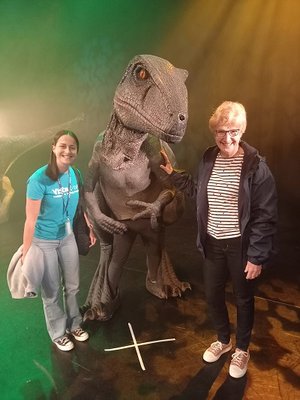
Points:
[[35, 189]]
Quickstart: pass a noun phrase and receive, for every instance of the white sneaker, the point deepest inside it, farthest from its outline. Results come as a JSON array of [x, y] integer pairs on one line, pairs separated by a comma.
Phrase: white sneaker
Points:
[[80, 335], [216, 349], [64, 343], [239, 363]]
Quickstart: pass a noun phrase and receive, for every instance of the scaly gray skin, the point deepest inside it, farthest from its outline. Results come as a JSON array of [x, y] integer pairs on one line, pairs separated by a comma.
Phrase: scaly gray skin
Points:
[[12, 148], [124, 180]]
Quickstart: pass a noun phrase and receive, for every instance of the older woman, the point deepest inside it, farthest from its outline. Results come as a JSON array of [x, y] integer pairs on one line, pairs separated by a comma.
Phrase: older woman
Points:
[[236, 213]]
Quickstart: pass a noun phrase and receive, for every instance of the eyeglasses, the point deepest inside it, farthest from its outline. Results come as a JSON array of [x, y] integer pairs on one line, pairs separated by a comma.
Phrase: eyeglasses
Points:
[[231, 132]]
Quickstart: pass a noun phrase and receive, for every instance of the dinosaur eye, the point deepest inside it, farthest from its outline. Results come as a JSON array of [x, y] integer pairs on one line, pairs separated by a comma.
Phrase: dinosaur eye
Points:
[[141, 73]]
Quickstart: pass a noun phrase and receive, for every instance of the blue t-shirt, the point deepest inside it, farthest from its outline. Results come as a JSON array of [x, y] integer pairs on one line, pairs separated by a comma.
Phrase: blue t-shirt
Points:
[[58, 202]]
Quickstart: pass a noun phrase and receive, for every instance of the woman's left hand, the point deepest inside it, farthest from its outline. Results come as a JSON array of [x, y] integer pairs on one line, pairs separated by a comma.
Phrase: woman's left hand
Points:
[[252, 271], [93, 238]]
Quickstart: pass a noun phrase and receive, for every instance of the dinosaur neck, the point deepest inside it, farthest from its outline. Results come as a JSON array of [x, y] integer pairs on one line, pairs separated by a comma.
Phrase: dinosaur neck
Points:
[[120, 144]]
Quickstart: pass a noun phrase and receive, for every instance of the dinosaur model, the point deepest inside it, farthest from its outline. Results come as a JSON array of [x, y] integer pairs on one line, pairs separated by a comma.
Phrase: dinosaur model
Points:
[[126, 191]]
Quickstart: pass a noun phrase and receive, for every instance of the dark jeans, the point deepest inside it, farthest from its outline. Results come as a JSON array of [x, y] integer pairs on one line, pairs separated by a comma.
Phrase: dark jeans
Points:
[[224, 259]]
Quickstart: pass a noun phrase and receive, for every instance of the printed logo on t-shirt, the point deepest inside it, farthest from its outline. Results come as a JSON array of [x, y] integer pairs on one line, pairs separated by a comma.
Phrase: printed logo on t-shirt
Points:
[[58, 192]]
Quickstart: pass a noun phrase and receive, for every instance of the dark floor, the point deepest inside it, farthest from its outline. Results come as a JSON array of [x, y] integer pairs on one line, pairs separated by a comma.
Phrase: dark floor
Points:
[[32, 368]]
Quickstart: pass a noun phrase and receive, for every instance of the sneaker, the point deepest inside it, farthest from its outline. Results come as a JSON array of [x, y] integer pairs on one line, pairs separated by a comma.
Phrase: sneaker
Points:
[[80, 335], [64, 343], [239, 363], [216, 349], [30, 295]]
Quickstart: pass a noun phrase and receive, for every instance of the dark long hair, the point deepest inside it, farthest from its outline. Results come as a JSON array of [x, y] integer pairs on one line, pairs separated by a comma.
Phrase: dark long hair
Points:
[[52, 170]]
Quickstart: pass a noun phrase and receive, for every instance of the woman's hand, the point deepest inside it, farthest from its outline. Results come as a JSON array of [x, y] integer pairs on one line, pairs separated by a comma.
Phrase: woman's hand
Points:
[[252, 270], [93, 238], [168, 168]]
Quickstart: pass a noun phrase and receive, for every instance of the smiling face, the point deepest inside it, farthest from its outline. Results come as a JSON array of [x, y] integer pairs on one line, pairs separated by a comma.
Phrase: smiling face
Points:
[[65, 151], [228, 123], [227, 139]]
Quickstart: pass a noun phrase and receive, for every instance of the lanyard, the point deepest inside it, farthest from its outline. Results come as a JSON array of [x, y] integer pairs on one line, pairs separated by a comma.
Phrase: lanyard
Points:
[[65, 203]]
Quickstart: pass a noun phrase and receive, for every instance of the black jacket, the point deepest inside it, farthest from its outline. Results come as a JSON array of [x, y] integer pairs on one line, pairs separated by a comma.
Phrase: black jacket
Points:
[[257, 202]]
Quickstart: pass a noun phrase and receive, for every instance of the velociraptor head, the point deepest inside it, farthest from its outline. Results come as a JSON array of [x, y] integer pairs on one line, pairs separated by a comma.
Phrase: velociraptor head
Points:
[[152, 98]]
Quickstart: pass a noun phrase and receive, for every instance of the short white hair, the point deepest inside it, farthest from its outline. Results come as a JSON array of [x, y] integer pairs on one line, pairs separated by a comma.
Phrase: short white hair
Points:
[[229, 112]]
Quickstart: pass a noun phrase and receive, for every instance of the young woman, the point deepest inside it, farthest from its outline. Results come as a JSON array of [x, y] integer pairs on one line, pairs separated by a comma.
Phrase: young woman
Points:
[[51, 202]]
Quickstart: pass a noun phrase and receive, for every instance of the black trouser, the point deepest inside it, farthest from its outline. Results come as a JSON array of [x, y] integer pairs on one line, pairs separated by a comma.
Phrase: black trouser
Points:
[[224, 259]]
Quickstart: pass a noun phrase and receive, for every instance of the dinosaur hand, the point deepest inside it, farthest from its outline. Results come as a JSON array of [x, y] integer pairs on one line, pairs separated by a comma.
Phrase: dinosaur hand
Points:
[[110, 225], [151, 210]]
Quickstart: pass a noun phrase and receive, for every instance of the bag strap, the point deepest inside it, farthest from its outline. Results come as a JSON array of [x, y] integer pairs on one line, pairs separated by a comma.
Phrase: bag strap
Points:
[[80, 186], [78, 177]]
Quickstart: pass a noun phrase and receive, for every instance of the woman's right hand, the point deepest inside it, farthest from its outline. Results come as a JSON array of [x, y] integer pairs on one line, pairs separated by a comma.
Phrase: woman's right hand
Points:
[[167, 167]]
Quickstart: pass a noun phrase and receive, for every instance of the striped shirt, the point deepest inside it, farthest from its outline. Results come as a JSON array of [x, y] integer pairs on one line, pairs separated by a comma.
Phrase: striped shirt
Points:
[[222, 193]]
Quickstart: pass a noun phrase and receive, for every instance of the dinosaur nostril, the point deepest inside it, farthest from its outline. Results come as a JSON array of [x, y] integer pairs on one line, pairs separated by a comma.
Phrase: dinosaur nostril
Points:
[[181, 117]]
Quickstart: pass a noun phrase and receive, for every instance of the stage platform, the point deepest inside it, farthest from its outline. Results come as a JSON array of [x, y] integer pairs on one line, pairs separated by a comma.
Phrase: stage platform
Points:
[[32, 368]]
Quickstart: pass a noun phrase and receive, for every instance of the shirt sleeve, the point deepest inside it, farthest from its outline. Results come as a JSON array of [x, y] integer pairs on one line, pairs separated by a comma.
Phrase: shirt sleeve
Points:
[[186, 182], [35, 189]]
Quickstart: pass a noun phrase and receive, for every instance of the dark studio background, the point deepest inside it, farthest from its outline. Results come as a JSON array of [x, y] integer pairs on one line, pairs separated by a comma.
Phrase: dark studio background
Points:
[[60, 59]]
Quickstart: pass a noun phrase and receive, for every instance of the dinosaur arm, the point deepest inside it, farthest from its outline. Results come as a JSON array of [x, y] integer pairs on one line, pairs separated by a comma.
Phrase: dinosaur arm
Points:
[[91, 179], [104, 222], [155, 209]]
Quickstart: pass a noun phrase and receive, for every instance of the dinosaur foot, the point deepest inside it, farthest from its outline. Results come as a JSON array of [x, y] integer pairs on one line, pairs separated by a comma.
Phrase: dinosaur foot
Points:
[[102, 312], [83, 309], [156, 289], [177, 290], [166, 291]]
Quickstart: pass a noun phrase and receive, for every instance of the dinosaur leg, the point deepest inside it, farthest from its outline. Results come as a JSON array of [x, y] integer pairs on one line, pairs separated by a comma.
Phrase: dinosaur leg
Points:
[[103, 298], [121, 249], [99, 288], [153, 253], [173, 286], [152, 243], [166, 283]]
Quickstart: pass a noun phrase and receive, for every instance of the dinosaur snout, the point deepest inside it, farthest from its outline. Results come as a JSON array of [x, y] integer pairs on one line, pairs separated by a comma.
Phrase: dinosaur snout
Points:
[[177, 130]]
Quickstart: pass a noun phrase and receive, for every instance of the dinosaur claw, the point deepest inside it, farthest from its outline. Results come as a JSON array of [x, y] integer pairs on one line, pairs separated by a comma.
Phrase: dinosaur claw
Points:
[[89, 315], [156, 289], [167, 291], [102, 312]]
